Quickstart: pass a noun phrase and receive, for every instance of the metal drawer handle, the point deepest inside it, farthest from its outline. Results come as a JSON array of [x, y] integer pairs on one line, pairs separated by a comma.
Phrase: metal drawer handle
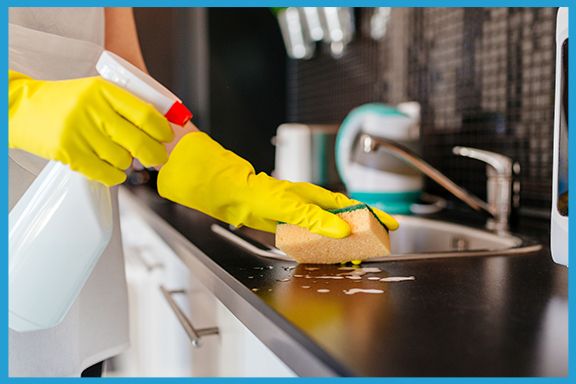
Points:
[[194, 334]]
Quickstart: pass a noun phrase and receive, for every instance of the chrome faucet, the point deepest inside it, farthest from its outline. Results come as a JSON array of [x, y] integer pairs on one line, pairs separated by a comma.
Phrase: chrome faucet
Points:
[[499, 171]]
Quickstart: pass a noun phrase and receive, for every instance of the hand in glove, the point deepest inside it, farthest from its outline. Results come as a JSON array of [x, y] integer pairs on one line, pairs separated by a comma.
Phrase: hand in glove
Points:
[[90, 124], [202, 175]]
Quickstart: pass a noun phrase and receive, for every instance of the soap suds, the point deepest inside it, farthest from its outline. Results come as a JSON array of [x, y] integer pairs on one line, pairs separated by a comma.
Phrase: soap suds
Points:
[[329, 277], [354, 291], [361, 269], [398, 278], [358, 271]]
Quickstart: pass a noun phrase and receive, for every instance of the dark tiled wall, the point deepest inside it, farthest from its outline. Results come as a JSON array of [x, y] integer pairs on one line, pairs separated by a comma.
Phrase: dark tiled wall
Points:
[[484, 78]]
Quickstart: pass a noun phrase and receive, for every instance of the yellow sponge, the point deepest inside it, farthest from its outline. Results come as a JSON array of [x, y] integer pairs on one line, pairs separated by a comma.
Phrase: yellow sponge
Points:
[[369, 238]]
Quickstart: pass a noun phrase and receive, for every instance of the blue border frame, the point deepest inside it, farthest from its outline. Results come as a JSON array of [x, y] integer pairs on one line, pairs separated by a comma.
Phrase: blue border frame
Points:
[[253, 3]]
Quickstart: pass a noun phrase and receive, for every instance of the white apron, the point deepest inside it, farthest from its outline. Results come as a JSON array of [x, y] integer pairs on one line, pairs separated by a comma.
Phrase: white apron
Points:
[[55, 44]]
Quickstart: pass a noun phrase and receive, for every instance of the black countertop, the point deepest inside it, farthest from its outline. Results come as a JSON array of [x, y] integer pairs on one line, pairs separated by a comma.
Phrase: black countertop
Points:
[[485, 316]]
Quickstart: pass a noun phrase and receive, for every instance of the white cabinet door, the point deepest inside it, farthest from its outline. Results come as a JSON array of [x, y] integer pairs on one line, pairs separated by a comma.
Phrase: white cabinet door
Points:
[[241, 354], [160, 346]]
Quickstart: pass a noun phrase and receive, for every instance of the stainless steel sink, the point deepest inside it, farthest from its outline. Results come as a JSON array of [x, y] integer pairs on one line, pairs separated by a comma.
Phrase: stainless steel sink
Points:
[[417, 238], [424, 238]]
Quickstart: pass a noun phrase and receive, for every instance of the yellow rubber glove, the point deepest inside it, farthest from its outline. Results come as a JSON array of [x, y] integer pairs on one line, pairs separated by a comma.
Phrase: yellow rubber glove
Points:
[[202, 175], [90, 124]]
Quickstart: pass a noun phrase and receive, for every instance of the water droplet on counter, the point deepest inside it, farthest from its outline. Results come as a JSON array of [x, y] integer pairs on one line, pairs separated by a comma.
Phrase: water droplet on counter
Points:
[[397, 278], [323, 290], [329, 277], [364, 269], [353, 273], [359, 271], [354, 291]]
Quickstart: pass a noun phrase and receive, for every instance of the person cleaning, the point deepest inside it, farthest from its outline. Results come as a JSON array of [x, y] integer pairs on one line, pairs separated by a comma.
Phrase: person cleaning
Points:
[[59, 110]]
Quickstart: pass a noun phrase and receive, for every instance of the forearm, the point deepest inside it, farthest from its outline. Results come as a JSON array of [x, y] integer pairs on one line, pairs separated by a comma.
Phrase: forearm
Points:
[[121, 36]]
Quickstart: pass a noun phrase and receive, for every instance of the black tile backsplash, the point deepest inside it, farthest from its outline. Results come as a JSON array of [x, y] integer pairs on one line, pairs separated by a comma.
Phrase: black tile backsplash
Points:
[[484, 78]]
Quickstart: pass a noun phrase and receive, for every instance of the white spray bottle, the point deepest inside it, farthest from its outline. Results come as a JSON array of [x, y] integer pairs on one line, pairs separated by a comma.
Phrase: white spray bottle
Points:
[[62, 224]]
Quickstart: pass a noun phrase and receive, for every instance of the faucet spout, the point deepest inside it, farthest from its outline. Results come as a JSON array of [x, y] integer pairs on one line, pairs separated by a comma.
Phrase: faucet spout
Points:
[[371, 144]]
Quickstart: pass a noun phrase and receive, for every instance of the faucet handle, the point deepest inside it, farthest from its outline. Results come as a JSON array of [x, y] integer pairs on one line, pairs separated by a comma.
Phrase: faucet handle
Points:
[[501, 164], [499, 186]]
